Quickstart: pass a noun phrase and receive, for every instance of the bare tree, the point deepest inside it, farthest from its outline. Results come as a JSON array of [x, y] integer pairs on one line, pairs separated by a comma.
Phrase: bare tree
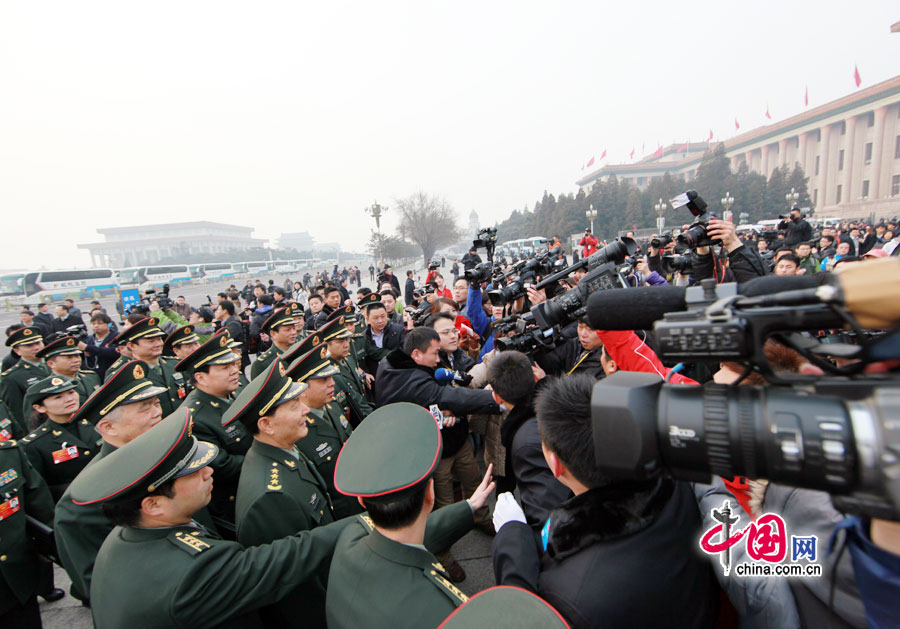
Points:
[[427, 221]]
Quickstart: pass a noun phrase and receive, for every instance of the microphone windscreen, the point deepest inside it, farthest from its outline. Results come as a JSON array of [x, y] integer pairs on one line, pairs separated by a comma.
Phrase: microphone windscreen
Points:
[[633, 308]]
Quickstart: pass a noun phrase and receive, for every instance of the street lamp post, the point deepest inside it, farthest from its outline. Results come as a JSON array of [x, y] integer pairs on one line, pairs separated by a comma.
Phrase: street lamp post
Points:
[[727, 203], [792, 198], [377, 211], [591, 214], [660, 219]]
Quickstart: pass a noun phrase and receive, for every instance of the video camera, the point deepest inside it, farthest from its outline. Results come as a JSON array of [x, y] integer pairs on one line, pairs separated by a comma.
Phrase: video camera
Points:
[[78, 332], [161, 298], [661, 241], [670, 264], [480, 274], [526, 272], [526, 336], [695, 235], [487, 239], [836, 433]]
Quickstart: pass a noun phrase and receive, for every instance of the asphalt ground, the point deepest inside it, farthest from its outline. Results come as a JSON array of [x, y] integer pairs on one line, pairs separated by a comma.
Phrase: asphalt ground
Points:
[[473, 551]]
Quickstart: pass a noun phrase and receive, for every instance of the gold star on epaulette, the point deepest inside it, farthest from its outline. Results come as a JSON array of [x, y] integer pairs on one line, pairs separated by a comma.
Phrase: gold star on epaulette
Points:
[[274, 481]]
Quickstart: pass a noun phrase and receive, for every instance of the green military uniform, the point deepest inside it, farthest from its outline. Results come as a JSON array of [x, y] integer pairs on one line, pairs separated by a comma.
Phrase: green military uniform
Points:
[[163, 373], [81, 529], [375, 581], [8, 427], [117, 364], [22, 492], [280, 317], [86, 382], [349, 390], [207, 410], [327, 426], [16, 380], [58, 451], [505, 606], [184, 575]]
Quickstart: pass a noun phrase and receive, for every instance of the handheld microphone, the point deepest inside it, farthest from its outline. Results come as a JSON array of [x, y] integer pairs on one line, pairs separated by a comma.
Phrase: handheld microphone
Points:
[[443, 375]]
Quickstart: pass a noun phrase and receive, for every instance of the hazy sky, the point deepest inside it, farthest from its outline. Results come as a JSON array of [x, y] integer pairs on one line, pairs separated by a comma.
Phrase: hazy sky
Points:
[[294, 116]]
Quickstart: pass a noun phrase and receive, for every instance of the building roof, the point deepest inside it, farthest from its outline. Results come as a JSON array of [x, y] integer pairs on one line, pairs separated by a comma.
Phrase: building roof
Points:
[[782, 128], [141, 243], [130, 228]]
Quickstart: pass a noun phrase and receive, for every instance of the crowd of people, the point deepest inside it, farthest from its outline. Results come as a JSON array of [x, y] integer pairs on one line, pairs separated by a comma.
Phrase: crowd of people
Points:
[[303, 453]]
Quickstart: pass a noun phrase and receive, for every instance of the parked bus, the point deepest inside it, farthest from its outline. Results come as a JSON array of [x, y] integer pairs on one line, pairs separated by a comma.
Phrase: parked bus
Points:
[[74, 283], [217, 270], [257, 268], [11, 284], [174, 275], [524, 246]]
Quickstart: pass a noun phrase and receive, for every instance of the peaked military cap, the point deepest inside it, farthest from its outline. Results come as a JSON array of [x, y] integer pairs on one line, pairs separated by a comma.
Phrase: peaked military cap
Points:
[[43, 389], [127, 385], [166, 451], [262, 395], [334, 330], [147, 328], [368, 465], [182, 336], [505, 607], [369, 300], [295, 310], [314, 364], [65, 346], [347, 312], [215, 351], [280, 317], [24, 336], [301, 347]]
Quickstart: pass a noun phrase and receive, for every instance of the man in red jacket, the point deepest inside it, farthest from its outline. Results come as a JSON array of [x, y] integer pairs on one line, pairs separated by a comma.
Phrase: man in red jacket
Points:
[[588, 243]]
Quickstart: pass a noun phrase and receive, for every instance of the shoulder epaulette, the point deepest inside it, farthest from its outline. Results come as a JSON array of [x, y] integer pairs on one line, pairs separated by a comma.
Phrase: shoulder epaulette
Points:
[[434, 573], [366, 521], [273, 481], [8, 371], [189, 542], [9, 443]]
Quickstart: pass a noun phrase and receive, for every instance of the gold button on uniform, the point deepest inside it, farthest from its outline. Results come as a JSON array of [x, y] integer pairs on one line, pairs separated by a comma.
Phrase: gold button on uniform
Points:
[[2, 557]]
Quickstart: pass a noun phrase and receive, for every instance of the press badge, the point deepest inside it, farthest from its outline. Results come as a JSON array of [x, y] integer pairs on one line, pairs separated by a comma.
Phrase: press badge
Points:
[[9, 507], [65, 454], [437, 414]]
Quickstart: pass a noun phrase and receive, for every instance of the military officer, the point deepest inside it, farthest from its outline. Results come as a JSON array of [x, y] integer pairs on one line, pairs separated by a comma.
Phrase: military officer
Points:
[[63, 358], [280, 328], [357, 343], [297, 314], [328, 428], [144, 341], [22, 492], [237, 348], [59, 447], [159, 567], [382, 574], [349, 388], [497, 606], [15, 381], [280, 491], [214, 370], [181, 342]]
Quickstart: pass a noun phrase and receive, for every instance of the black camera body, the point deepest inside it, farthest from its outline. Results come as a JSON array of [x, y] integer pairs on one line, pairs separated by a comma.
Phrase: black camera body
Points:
[[695, 235], [486, 238], [527, 272], [78, 332], [480, 274], [162, 298], [671, 264], [662, 240]]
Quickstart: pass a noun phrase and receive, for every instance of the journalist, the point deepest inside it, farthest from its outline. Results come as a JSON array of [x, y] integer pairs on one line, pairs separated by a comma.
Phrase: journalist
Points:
[[744, 264]]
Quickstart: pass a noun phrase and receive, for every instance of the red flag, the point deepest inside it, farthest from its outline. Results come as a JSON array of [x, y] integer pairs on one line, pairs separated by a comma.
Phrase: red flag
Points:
[[709, 139], [582, 167], [590, 162], [736, 124], [856, 76], [658, 153], [768, 115], [603, 154], [683, 148], [806, 96], [632, 153]]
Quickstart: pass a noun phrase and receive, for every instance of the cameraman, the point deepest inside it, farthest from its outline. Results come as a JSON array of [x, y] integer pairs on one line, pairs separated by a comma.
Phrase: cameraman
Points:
[[588, 243], [744, 264], [471, 259], [620, 553], [796, 228]]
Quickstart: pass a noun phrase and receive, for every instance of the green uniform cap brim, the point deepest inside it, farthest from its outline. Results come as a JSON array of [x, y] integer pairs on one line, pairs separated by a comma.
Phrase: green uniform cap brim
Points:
[[313, 364], [215, 351], [334, 330], [166, 451], [123, 387], [263, 395], [368, 466], [28, 335], [505, 607], [193, 338], [279, 318], [302, 347], [42, 389], [146, 328]]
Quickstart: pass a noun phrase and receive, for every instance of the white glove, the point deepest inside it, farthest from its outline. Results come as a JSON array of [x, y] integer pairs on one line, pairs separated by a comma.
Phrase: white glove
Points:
[[507, 510]]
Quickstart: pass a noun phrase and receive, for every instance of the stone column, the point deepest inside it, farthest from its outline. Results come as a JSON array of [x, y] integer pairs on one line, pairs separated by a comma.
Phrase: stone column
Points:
[[782, 152], [735, 163], [748, 157], [764, 161], [877, 150], [824, 183], [801, 152], [847, 193]]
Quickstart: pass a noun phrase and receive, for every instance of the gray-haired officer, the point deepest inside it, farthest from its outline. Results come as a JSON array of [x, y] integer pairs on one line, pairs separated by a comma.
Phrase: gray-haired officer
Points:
[[159, 567], [382, 563], [280, 491]]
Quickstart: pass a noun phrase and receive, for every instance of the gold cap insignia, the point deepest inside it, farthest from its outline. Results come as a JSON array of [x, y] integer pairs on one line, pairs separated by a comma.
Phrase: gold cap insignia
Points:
[[342, 320], [316, 340], [186, 330], [70, 342], [27, 332], [324, 352], [190, 426], [281, 369], [223, 341], [56, 382], [138, 372], [151, 321]]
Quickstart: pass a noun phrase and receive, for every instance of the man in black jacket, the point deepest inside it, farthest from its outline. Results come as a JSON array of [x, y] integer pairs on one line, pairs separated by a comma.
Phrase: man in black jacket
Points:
[[382, 335], [43, 318], [410, 288], [471, 259], [640, 535], [798, 230], [65, 319], [576, 355], [744, 264], [511, 377]]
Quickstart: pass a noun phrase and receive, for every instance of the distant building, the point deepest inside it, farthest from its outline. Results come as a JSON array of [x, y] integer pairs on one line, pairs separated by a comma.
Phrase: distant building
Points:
[[474, 222], [301, 241], [148, 244], [849, 148], [325, 247]]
